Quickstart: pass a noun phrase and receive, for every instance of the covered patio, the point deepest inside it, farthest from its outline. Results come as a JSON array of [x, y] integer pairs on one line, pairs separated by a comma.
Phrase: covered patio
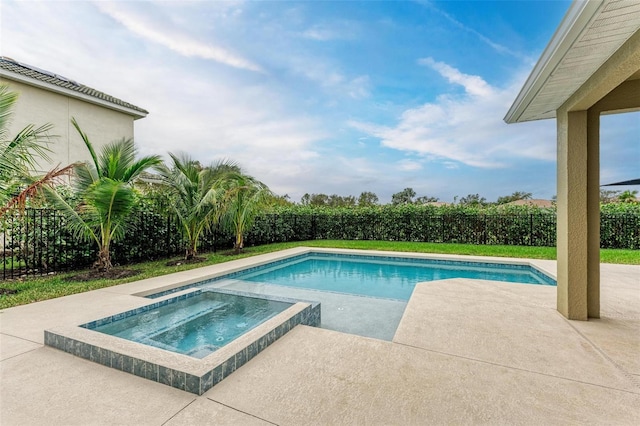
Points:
[[590, 67]]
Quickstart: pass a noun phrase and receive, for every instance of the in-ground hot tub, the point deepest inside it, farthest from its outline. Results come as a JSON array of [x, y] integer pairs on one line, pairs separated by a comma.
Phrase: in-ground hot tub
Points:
[[191, 341], [195, 326]]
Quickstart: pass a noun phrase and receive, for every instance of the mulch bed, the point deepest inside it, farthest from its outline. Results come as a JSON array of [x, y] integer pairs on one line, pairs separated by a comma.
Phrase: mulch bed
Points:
[[111, 274]]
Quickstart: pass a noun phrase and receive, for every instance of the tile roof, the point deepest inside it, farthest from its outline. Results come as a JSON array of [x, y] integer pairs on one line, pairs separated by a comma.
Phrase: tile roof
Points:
[[44, 76]]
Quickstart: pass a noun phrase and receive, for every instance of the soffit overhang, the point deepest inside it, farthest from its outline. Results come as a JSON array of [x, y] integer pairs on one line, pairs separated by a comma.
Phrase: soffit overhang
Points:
[[589, 34]]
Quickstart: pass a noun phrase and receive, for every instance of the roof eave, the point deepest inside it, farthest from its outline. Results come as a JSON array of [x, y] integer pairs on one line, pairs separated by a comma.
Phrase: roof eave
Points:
[[72, 94], [575, 20]]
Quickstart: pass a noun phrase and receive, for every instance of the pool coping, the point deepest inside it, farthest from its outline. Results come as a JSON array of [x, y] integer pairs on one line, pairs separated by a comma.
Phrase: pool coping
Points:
[[173, 369]]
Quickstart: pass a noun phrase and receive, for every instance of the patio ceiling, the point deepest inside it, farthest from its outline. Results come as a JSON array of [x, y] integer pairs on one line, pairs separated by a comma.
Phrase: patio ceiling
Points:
[[589, 34]]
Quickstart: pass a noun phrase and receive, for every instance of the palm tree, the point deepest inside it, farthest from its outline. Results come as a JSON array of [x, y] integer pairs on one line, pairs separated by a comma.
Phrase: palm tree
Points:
[[105, 187], [628, 196], [195, 195], [18, 156], [244, 198]]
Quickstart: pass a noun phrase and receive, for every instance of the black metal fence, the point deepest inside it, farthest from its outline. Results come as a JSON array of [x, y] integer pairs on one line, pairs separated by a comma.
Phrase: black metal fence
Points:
[[38, 241], [506, 229]]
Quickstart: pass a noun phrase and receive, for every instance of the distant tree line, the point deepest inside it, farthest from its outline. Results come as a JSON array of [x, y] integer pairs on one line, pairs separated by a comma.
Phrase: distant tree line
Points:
[[408, 197], [611, 196]]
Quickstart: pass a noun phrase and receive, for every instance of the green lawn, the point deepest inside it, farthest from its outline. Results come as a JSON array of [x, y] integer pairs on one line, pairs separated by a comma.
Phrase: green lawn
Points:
[[37, 289]]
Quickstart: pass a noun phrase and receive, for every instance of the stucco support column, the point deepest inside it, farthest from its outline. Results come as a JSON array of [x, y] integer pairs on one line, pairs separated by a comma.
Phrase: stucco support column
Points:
[[578, 293], [593, 213]]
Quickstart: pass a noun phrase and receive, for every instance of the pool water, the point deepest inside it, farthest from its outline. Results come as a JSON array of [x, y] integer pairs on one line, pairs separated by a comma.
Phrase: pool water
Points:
[[382, 277], [196, 326], [360, 294]]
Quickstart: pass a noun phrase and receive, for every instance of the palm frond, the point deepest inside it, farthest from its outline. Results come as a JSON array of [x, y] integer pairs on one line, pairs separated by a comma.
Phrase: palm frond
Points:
[[115, 157], [186, 166], [7, 100], [134, 170], [79, 221], [243, 198], [87, 143], [86, 176], [34, 138], [35, 187], [19, 154], [225, 165], [113, 199]]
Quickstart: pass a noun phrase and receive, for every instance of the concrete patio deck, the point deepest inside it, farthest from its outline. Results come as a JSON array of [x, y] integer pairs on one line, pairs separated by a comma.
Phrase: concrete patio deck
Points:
[[466, 352]]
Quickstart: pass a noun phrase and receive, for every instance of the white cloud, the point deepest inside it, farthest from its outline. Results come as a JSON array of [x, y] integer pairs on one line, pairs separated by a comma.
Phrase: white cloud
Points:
[[466, 129], [339, 30], [320, 33], [315, 70], [329, 77], [359, 87], [279, 126], [250, 124], [409, 165], [173, 39], [494, 45], [473, 84], [210, 115]]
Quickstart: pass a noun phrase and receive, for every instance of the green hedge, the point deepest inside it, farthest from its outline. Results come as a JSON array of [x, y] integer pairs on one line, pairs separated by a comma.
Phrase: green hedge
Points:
[[503, 225], [620, 225], [38, 241]]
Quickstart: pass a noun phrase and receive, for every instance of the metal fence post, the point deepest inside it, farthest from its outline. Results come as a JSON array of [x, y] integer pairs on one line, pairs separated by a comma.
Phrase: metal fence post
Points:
[[4, 247], [273, 228], [313, 226]]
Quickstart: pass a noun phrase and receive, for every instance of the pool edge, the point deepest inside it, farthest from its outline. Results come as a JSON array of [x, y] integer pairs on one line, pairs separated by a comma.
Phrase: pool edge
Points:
[[176, 370]]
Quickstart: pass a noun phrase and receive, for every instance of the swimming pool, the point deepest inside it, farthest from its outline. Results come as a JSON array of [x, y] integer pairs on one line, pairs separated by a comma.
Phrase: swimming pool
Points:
[[361, 294], [388, 277]]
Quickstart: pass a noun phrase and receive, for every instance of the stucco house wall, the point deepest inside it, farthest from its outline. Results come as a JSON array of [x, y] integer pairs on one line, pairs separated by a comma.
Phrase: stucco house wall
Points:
[[102, 117]]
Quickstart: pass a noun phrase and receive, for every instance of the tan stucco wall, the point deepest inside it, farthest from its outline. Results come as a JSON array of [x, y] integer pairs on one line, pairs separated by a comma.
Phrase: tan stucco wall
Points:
[[610, 89], [578, 215], [38, 106]]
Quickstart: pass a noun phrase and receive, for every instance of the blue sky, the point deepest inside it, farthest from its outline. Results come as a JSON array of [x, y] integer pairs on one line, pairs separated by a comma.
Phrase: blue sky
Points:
[[324, 96]]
